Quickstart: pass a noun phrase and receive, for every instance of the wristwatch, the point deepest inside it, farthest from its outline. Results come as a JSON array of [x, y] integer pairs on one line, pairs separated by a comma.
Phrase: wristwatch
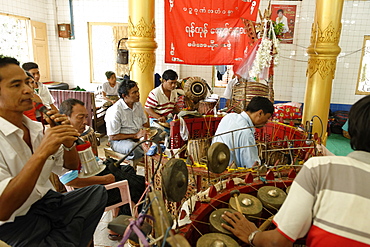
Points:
[[251, 237], [69, 149]]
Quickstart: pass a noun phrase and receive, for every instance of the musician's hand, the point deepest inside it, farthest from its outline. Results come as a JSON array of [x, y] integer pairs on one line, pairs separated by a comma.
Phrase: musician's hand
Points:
[[53, 117], [238, 225], [36, 98], [141, 133], [55, 136], [162, 119]]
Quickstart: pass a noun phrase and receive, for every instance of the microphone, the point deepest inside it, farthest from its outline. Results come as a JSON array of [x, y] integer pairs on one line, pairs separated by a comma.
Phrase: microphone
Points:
[[309, 136], [44, 110]]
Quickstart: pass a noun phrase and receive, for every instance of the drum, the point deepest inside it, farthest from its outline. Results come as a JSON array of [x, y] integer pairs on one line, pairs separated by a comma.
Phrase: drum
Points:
[[89, 135], [198, 149], [206, 107], [195, 89], [243, 92]]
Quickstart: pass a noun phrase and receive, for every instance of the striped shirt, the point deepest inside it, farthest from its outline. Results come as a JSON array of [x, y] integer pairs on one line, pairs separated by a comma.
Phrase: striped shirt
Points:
[[329, 200], [160, 103]]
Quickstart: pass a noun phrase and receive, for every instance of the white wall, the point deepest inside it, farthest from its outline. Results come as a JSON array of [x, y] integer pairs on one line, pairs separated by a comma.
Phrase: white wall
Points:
[[70, 58]]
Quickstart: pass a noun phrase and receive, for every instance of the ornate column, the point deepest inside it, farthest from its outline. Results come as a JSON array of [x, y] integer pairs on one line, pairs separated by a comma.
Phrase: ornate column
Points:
[[142, 45], [323, 53]]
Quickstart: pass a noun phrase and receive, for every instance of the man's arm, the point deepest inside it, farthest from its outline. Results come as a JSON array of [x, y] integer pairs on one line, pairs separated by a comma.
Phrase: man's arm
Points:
[[247, 155], [153, 114], [146, 125], [242, 228], [83, 182], [71, 158], [137, 135], [106, 98], [23, 184]]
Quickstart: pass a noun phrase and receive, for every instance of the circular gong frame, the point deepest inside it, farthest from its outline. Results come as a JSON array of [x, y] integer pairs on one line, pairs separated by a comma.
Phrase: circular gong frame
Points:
[[218, 157], [175, 179]]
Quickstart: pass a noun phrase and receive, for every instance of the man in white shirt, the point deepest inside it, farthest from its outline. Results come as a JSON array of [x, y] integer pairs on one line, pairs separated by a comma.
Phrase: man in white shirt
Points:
[[126, 121], [40, 89], [32, 213], [242, 143]]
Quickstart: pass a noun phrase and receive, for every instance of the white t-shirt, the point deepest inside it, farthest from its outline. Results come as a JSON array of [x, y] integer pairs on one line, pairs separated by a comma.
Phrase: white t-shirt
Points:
[[110, 91]]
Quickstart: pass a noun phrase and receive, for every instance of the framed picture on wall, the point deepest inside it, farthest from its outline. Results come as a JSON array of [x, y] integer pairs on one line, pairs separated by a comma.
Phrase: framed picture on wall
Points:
[[285, 13], [363, 81]]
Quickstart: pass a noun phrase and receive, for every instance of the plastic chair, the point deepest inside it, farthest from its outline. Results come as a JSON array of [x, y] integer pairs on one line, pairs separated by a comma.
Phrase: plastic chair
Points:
[[125, 195]]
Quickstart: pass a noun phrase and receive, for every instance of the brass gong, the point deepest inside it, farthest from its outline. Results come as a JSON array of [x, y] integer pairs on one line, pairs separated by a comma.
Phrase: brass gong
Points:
[[216, 240], [178, 240], [215, 220], [250, 205], [175, 180], [218, 157], [271, 197], [159, 211]]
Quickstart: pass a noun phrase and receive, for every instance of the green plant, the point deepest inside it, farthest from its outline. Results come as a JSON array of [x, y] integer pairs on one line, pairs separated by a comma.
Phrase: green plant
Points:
[[278, 28]]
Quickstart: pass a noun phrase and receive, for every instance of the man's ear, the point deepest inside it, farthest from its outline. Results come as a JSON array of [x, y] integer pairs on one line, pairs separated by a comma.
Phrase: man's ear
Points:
[[260, 113]]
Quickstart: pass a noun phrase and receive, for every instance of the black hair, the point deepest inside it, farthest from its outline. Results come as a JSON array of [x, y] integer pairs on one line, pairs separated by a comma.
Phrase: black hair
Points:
[[109, 74], [30, 65], [67, 105], [30, 75], [125, 87], [280, 10], [4, 61], [260, 103], [358, 125], [170, 75]]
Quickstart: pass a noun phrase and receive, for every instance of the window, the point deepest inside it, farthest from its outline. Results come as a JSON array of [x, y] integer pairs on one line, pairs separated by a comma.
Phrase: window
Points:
[[14, 37], [103, 41], [363, 81]]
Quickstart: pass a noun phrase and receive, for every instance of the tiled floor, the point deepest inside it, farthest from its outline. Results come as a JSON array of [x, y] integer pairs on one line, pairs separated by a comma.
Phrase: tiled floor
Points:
[[101, 232]]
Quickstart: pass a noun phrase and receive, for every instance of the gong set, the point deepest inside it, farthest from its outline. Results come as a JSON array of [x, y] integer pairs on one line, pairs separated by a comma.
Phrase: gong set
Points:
[[268, 197]]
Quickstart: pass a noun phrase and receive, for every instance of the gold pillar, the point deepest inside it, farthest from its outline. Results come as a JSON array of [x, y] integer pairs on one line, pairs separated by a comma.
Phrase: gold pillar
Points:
[[142, 45], [323, 53]]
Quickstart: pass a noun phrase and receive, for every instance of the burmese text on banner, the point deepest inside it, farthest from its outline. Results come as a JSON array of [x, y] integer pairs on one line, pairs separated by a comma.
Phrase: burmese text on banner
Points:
[[207, 32]]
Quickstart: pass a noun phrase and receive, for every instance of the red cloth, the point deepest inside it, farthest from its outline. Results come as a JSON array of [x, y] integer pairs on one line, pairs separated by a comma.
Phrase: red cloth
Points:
[[207, 32], [31, 114], [318, 237]]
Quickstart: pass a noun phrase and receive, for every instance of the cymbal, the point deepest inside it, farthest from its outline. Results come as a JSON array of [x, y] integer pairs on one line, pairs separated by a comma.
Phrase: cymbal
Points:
[[215, 220], [159, 212], [163, 124], [175, 180], [178, 241], [215, 240], [152, 132], [271, 197], [218, 157], [250, 205]]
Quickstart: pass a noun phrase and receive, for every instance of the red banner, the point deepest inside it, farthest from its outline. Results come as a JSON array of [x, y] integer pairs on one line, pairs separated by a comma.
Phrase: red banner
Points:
[[207, 32]]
